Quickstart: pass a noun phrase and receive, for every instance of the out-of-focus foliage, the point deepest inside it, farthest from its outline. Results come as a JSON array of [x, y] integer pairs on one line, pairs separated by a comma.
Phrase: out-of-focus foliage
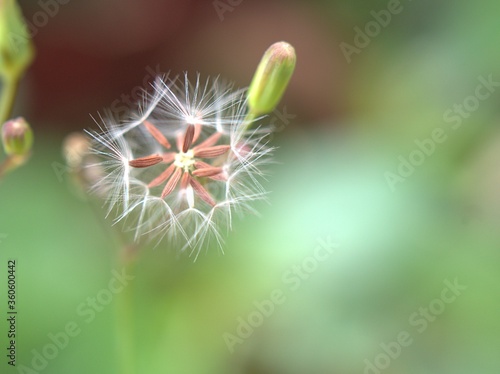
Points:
[[16, 48], [396, 248]]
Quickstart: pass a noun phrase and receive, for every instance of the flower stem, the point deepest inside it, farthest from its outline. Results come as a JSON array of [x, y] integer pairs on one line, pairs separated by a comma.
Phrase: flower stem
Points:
[[125, 259], [249, 119], [12, 162], [125, 316], [9, 91], [7, 99]]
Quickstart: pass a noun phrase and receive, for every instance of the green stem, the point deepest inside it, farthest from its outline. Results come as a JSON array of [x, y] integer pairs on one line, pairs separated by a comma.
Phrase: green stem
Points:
[[11, 163], [9, 91], [5, 166], [249, 118], [125, 318], [7, 99], [125, 259]]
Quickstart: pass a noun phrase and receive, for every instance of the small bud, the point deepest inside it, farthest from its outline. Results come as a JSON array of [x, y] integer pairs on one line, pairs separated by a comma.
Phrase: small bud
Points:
[[17, 137], [75, 148], [271, 78], [82, 167]]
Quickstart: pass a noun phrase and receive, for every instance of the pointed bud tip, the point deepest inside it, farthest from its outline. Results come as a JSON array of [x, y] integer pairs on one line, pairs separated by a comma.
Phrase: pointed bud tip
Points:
[[282, 52], [271, 78], [17, 137]]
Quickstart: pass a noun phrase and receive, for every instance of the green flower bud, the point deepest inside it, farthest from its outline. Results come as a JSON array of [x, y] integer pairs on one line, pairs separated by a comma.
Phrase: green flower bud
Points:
[[271, 78], [17, 137]]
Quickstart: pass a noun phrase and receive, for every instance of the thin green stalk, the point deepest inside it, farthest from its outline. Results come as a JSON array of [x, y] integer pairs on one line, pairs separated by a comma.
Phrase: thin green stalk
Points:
[[9, 91], [5, 166], [7, 99], [125, 258], [125, 318], [249, 118], [10, 163]]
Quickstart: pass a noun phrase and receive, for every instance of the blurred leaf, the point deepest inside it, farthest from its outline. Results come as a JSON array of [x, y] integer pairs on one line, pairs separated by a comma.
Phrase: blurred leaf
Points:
[[16, 48]]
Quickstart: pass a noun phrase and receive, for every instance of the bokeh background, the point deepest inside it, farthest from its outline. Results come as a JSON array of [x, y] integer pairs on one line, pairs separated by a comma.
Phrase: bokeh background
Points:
[[348, 124]]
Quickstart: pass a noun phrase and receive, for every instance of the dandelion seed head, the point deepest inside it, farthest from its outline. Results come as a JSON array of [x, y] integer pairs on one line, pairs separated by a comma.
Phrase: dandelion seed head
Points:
[[184, 165]]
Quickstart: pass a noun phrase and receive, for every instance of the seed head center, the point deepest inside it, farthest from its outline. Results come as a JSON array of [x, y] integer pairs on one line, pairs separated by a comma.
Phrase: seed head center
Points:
[[185, 160]]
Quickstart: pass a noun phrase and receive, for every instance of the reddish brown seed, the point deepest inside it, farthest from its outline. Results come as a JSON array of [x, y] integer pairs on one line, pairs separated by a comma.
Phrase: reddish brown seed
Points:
[[211, 152], [162, 177], [188, 138], [208, 142], [201, 192], [197, 132], [179, 141], [168, 157], [185, 180], [207, 172], [172, 183], [160, 138], [201, 165], [144, 162], [219, 177], [242, 150]]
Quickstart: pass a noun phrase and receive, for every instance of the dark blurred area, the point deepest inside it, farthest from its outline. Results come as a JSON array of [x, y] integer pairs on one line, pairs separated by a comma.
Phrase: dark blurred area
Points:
[[359, 118], [93, 53]]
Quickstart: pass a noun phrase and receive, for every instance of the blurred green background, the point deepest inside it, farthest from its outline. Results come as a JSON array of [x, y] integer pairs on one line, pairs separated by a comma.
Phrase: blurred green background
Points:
[[349, 124]]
